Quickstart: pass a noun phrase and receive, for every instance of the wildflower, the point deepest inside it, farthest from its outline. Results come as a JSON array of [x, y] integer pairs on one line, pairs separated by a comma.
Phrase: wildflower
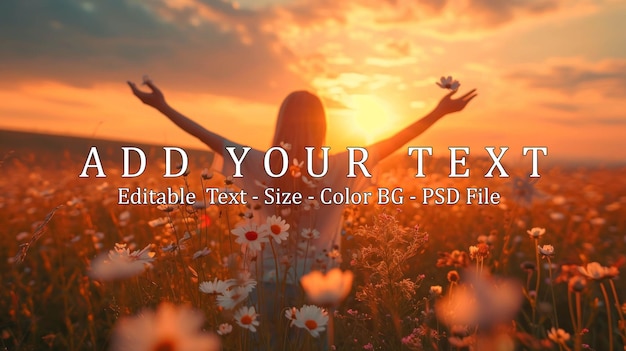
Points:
[[596, 271], [120, 263], [473, 250], [334, 254], [169, 328], [559, 336], [145, 79], [436, 290], [309, 204], [455, 258], [311, 318], [296, 168], [329, 289], [232, 297], [216, 286], [246, 317], [309, 233], [251, 235], [285, 145], [290, 314], [536, 232], [277, 228], [224, 329], [546, 250], [453, 276], [244, 280], [448, 83]]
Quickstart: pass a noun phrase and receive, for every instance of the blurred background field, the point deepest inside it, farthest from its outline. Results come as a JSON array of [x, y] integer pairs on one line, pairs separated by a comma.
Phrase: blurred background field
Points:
[[49, 301]]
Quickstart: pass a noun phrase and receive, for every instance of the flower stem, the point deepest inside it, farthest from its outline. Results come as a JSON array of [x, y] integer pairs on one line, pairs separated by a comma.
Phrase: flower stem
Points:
[[534, 301], [619, 309], [556, 316], [331, 328], [608, 315], [579, 316]]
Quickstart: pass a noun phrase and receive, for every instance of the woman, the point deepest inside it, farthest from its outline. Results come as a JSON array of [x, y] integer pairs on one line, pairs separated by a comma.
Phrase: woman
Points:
[[301, 123]]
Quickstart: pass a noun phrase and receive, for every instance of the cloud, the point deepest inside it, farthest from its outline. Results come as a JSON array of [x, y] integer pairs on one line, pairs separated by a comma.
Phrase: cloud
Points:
[[184, 45], [606, 121], [448, 16], [569, 76]]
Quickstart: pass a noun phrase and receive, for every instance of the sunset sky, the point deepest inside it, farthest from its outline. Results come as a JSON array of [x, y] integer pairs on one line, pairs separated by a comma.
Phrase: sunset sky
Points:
[[548, 72]]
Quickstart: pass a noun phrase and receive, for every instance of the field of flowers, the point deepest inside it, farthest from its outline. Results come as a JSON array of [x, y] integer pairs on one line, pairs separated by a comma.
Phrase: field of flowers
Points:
[[540, 271]]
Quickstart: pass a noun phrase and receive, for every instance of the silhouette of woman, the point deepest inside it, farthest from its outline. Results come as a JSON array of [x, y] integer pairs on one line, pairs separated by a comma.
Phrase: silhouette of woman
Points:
[[301, 123]]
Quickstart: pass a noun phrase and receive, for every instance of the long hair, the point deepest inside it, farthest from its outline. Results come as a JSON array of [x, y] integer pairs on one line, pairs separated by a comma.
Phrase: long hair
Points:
[[301, 123]]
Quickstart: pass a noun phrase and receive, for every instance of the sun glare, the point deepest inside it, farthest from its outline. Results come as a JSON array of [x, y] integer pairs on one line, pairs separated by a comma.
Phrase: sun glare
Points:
[[373, 118]]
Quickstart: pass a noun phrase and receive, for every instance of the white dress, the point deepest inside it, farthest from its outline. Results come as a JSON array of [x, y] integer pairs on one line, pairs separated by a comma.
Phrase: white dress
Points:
[[321, 253]]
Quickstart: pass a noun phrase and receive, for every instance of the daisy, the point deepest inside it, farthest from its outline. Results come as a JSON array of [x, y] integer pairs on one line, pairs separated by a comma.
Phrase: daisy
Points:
[[277, 228], [448, 83], [145, 79], [246, 317], [216, 286], [596, 271], [120, 263], [167, 328], [327, 289], [296, 168], [536, 232], [309, 233], [285, 145], [290, 314], [310, 205], [231, 298], [559, 336], [311, 318], [546, 250], [245, 281], [436, 290], [251, 235], [224, 329]]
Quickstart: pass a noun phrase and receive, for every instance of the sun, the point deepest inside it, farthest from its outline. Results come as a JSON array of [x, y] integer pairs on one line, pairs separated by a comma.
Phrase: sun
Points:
[[373, 118]]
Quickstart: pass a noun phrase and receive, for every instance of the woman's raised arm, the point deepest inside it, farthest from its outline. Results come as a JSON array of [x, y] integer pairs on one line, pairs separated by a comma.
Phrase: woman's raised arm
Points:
[[156, 99], [447, 105]]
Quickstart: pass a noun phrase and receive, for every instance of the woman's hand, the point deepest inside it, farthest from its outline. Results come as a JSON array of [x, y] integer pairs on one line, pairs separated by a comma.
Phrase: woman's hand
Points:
[[450, 105], [154, 98]]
